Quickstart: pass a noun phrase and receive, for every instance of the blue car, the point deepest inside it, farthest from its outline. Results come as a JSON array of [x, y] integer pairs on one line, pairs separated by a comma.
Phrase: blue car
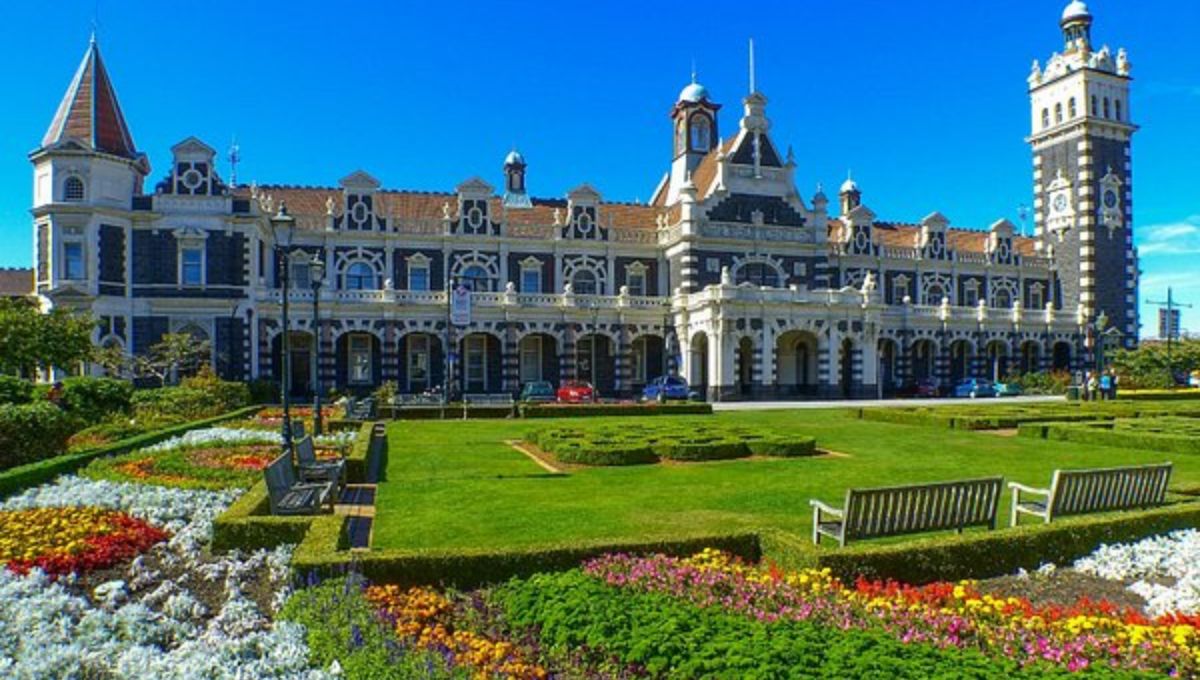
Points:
[[975, 387], [667, 387]]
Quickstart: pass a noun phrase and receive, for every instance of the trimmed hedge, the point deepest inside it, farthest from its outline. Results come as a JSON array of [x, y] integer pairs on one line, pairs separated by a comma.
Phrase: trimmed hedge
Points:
[[703, 449], [358, 460], [782, 446], [1124, 433], [18, 478], [32, 432], [606, 455], [630, 409], [643, 443], [470, 569], [995, 553], [1158, 395]]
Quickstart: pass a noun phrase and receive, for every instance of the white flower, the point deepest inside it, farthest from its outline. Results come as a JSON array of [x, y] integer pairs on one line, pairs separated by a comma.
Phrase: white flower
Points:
[[1153, 563]]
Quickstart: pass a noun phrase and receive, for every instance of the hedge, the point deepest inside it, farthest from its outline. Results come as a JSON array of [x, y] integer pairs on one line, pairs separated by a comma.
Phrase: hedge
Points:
[[358, 460], [782, 446], [629, 409], [1132, 439], [473, 568], [703, 449], [18, 478], [34, 431], [606, 455], [1158, 395], [996, 553]]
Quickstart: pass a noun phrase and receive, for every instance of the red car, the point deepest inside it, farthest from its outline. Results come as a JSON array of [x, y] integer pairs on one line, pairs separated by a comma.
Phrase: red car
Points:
[[576, 392]]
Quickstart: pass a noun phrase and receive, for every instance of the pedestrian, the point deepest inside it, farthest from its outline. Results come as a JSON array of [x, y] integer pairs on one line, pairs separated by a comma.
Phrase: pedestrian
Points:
[[1105, 386], [1092, 386], [1116, 380]]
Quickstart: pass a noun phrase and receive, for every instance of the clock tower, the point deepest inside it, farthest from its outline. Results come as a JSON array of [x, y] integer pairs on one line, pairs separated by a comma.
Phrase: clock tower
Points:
[[1082, 180]]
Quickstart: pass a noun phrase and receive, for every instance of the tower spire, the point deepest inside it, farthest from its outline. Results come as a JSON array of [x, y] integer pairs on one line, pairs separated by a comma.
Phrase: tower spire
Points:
[[89, 113], [752, 87]]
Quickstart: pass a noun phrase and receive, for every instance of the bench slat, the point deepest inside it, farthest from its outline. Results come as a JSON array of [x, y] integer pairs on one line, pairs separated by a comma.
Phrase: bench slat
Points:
[[1082, 491], [892, 511]]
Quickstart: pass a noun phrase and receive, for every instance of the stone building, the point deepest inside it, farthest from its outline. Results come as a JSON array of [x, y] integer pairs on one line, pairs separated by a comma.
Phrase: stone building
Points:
[[728, 275]]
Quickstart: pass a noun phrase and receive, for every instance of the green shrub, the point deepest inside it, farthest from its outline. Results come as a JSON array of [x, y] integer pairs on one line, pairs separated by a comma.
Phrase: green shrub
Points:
[[227, 394], [670, 638], [94, 399], [995, 553], [340, 625], [247, 524], [701, 449], [117, 427], [14, 390], [605, 454], [33, 432], [590, 410], [782, 446], [263, 391]]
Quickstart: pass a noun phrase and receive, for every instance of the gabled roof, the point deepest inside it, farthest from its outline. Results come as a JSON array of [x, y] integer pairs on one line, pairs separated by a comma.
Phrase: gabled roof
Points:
[[89, 113]]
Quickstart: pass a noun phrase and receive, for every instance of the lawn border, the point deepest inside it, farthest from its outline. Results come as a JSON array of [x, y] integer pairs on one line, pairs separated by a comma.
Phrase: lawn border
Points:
[[22, 477]]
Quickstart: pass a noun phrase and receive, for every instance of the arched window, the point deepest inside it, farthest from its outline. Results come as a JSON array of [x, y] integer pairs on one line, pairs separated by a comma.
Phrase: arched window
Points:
[[1003, 299], [73, 190], [1095, 107], [360, 276], [1045, 118], [1106, 107], [1117, 109], [475, 278], [1071, 110], [1058, 113], [934, 294], [583, 282], [701, 133], [758, 274]]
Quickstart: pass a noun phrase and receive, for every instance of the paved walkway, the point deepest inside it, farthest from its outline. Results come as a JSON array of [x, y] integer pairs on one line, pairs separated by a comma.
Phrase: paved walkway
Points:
[[885, 403]]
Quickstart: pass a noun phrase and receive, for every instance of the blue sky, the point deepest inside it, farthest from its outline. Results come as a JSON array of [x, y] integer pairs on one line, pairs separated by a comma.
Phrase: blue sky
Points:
[[925, 101]]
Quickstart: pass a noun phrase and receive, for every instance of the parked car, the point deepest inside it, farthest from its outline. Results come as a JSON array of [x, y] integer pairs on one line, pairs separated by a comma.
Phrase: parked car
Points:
[[576, 392], [537, 391], [1008, 389], [975, 387], [668, 387], [929, 388]]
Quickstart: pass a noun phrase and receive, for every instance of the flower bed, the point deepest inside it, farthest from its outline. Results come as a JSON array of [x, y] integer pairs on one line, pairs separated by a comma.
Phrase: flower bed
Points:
[[271, 418], [944, 615], [1164, 570], [642, 443], [71, 540]]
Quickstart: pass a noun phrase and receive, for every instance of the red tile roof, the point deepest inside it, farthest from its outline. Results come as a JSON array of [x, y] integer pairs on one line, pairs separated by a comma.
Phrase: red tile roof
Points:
[[901, 235], [89, 112]]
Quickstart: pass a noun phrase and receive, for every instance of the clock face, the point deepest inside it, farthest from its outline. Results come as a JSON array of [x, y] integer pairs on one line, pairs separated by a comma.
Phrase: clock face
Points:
[[1060, 203], [1110, 199]]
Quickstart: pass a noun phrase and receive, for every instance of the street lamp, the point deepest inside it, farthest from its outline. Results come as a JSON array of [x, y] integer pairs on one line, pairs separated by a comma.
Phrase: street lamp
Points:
[[317, 269], [282, 225]]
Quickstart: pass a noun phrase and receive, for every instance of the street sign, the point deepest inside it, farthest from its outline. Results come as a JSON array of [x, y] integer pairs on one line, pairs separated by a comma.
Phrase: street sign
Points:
[[460, 306]]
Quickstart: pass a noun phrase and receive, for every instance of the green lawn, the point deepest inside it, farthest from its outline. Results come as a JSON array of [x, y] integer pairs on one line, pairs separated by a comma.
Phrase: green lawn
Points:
[[455, 485]]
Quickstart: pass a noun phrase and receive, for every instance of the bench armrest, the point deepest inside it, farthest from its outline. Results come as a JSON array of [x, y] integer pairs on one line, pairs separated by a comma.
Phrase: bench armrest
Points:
[[1028, 489], [826, 508]]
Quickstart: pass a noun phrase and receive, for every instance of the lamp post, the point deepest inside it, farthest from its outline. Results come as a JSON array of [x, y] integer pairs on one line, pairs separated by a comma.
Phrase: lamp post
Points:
[[1098, 340], [282, 224], [317, 269]]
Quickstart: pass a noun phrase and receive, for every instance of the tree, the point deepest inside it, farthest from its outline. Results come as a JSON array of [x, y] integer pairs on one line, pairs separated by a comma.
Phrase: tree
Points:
[[30, 340], [1150, 365], [175, 355]]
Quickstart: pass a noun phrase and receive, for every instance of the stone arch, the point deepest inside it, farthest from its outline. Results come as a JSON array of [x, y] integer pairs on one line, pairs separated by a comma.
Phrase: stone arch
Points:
[[923, 359], [888, 352], [466, 267], [960, 360], [758, 270], [998, 362], [1031, 356], [796, 362], [588, 264], [1061, 354], [699, 349]]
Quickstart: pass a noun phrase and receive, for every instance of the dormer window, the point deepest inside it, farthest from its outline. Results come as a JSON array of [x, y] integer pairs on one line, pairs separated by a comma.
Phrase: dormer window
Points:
[[584, 223], [73, 190]]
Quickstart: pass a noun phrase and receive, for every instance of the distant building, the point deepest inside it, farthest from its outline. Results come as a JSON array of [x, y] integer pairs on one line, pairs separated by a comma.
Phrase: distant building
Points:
[[728, 275], [16, 282], [1168, 324]]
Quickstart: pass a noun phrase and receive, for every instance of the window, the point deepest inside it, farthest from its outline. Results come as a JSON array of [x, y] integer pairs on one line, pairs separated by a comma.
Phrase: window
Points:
[[583, 282], [299, 274], [639, 360], [73, 268], [1045, 118], [712, 265], [701, 133], [1037, 297], [418, 276], [476, 358], [475, 278], [1071, 110], [934, 294], [635, 281], [971, 293], [1003, 299], [531, 359], [799, 269], [1117, 109], [360, 276], [758, 274], [1058, 118], [359, 358], [73, 190], [1095, 108], [531, 279], [899, 289], [418, 362], [1106, 107], [191, 266]]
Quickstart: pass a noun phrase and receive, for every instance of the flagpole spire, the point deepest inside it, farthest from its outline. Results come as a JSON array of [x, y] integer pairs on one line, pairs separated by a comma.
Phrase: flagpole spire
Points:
[[752, 89]]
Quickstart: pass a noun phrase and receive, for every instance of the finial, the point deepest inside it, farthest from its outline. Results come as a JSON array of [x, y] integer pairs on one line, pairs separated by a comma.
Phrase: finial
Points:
[[693, 70], [752, 90], [820, 188]]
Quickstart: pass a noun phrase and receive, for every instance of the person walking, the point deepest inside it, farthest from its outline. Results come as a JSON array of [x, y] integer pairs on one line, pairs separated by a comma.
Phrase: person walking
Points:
[[1105, 386], [1092, 386], [1116, 379]]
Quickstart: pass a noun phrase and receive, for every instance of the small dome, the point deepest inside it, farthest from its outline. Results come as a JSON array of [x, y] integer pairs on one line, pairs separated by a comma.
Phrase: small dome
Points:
[[1076, 10], [694, 92], [514, 157], [848, 186]]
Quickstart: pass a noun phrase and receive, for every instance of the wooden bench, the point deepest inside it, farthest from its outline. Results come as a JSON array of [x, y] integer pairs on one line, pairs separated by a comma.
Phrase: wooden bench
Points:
[[313, 470], [896, 510], [360, 409], [504, 399], [290, 496], [1076, 492]]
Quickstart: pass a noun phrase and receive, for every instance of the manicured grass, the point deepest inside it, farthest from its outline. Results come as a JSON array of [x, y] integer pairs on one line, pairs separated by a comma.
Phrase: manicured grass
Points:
[[458, 486]]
